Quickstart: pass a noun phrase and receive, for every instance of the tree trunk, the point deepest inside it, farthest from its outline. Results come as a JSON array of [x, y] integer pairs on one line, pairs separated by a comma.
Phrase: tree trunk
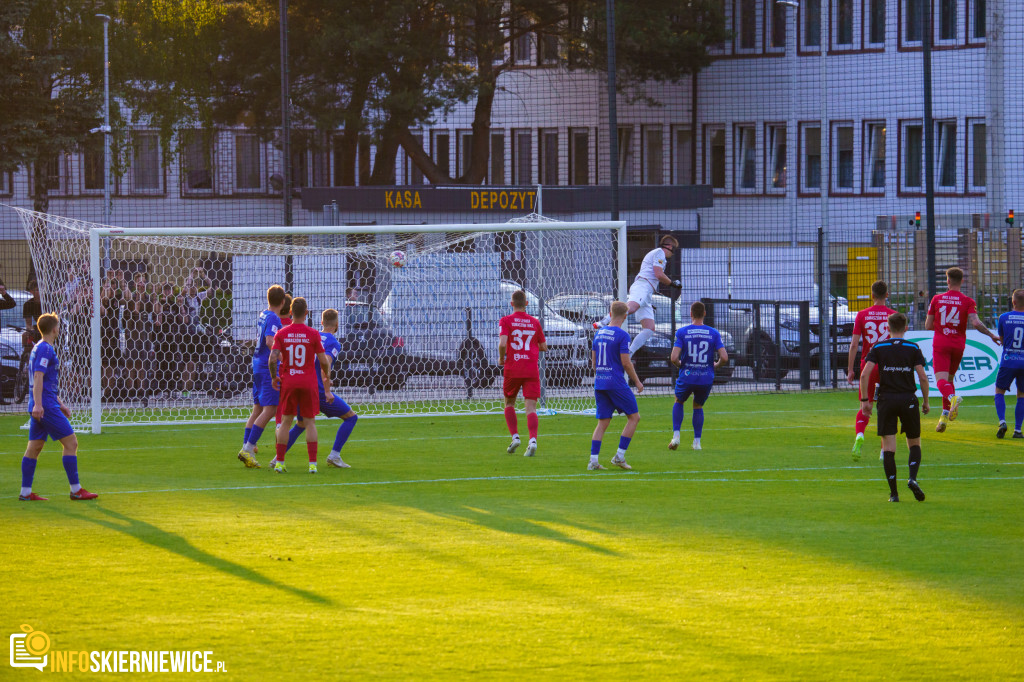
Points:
[[422, 160], [384, 161], [353, 121], [40, 186]]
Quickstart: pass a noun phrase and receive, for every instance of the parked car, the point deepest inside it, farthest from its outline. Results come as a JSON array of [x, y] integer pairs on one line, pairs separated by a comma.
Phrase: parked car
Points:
[[10, 363], [372, 354], [12, 316], [653, 359]]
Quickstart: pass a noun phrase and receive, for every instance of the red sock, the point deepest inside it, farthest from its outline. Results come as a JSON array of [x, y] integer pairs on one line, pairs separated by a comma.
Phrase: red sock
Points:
[[862, 422], [281, 449], [531, 424], [948, 391], [511, 421], [311, 449]]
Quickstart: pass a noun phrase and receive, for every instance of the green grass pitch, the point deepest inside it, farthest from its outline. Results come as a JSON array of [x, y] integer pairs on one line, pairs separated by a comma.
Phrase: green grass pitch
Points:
[[768, 555]]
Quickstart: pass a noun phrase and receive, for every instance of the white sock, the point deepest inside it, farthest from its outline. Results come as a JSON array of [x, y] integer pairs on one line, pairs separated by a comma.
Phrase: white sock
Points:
[[25, 492], [640, 340], [1002, 423], [593, 460], [605, 321], [675, 435], [620, 454], [335, 454], [75, 488], [697, 441], [248, 447]]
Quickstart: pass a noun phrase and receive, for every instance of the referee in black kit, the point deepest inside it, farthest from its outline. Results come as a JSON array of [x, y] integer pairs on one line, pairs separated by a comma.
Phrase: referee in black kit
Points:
[[897, 360]]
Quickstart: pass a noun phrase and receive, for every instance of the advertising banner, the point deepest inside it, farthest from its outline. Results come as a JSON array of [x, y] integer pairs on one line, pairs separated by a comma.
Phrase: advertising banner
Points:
[[978, 369]]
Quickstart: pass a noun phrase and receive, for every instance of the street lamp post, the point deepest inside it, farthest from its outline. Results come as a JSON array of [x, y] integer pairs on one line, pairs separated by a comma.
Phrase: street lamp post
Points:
[[105, 129]]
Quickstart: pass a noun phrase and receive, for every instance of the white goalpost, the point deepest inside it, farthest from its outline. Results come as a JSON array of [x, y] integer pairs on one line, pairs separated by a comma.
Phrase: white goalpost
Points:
[[159, 324]]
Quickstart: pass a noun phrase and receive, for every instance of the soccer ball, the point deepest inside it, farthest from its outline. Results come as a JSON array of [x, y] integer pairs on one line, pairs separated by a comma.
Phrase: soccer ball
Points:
[[398, 259]]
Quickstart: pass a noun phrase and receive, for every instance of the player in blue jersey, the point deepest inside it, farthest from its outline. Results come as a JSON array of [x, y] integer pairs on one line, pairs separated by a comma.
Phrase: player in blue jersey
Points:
[[264, 396], [610, 356], [336, 408], [49, 414], [1011, 366], [698, 350]]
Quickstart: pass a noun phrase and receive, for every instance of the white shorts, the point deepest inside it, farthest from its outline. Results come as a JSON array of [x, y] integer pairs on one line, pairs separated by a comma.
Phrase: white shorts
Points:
[[642, 293]]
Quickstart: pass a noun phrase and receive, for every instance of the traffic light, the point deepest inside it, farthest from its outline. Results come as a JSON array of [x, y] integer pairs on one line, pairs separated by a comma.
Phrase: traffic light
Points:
[[1009, 217], [917, 219]]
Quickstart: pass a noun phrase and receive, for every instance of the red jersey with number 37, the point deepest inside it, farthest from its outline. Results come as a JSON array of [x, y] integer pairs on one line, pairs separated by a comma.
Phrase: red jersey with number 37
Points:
[[951, 311], [522, 354], [299, 345], [872, 324]]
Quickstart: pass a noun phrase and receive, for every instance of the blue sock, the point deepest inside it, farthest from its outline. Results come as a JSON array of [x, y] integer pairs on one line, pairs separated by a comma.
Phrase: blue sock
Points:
[[678, 412], [28, 471], [595, 447], [293, 435], [623, 443], [698, 422], [1018, 414], [254, 435], [71, 467], [248, 430], [1001, 407], [344, 431]]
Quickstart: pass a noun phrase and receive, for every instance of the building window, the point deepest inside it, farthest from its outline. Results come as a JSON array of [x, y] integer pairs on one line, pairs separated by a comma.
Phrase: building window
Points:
[[654, 156], [874, 166], [777, 29], [844, 23], [812, 158], [579, 156], [947, 19], [92, 165], [776, 156], [522, 43], [412, 173], [248, 167], [978, 155], [549, 157], [715, 155], [441, 152], [811, 10], [913, 155], [497, 159], [746, 157], [977, 19], [914, 20], [945, 146], [547, 48], [844, 157], [746, 24], [465, 151], [625, 147], [197, 164], [876, 22], [682, 157], [522, 157], [6, 184], [145, 171]]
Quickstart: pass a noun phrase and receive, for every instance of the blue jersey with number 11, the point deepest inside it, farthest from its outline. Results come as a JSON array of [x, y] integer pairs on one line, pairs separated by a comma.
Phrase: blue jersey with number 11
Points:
[[699, 346], [1011, 328]]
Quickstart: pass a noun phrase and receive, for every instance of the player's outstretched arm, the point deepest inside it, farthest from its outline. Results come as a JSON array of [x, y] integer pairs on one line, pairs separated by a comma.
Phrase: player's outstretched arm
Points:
[[865, 379], [980, 326], [922, 379], [851, 375], [627, 365]]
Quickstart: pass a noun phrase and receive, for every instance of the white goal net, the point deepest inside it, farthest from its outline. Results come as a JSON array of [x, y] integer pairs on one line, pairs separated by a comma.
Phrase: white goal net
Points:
[[172, 337]]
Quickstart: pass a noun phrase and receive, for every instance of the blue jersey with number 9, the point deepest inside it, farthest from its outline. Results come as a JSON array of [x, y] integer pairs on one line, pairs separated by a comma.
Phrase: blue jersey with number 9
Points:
[[698, 344], [1011, 328]]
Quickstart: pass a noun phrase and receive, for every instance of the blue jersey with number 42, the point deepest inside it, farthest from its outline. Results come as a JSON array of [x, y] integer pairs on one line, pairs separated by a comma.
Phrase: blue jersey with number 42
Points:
[[1011, 328], [699, 346]]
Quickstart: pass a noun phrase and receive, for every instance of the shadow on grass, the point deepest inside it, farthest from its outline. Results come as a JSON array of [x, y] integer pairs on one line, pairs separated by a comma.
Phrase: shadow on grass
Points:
[[157, 537]]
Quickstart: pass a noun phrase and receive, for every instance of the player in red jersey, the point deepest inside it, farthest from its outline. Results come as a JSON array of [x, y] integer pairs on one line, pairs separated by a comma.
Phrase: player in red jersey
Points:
[[870, 327], [948, 315], [297, 347], [519, 348]]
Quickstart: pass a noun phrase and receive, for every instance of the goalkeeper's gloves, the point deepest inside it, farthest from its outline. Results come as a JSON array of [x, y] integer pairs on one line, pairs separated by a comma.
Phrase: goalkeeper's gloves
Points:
[[677, 284]]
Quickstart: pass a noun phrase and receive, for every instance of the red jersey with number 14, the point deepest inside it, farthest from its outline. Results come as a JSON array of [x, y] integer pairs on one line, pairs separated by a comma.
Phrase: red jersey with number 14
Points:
[[299, 345], [951, 311], [522, 355], [872, 324]]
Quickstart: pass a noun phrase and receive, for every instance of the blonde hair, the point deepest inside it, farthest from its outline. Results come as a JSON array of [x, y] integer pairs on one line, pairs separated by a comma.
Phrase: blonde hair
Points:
[[329, 318], [618, 309]]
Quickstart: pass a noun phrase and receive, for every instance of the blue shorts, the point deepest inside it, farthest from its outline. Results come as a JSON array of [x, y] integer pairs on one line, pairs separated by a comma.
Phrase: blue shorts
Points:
[[700, 393], [53, 424], [612, 399], [337, 409], [1008, 376], [263, 392]]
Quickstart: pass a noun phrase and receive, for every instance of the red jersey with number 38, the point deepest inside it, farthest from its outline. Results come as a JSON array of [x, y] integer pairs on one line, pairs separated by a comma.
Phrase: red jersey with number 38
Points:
[[522, 355], [299, 345], [951, 311], [873, 326]]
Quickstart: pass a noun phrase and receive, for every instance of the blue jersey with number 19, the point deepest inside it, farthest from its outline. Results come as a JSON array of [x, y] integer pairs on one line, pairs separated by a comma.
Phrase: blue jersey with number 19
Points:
[[1011, 328], [699, 344], [609, 344]]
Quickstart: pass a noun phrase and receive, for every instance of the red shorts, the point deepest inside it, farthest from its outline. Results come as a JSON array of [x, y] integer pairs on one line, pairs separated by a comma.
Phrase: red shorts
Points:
[[946, 359], [298, 400], [872, 385], [530, 386]]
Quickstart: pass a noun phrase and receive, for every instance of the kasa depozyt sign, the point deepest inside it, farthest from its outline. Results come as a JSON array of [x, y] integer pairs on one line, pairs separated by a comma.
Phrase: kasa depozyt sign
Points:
[[978, 369]]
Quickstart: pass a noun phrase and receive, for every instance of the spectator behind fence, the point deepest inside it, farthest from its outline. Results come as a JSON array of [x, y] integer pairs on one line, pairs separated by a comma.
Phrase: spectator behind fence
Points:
[[6, 301], [137, 326], [112, 300]]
